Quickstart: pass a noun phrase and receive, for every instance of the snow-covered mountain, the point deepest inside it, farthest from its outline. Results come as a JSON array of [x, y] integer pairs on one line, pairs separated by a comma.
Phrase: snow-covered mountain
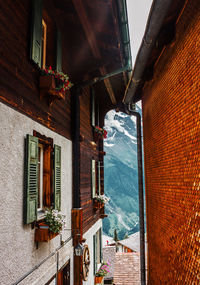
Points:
[[120, 174], [121, 141]]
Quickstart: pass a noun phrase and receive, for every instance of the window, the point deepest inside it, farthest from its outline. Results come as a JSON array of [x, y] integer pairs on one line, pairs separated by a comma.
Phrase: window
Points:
[[94, 109], [97, 249], [40, 176], [63, 276], [42, 187], [99, 179], [93, 177], [44, 34], [44, 43], [93, 123]]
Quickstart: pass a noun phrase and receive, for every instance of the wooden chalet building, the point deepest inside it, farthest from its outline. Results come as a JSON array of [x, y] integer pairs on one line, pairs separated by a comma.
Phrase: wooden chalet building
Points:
[[50, 154]]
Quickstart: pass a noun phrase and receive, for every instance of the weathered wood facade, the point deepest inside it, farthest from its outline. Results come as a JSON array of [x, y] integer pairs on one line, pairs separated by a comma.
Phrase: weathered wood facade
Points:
[[20, 77], [93, 48]]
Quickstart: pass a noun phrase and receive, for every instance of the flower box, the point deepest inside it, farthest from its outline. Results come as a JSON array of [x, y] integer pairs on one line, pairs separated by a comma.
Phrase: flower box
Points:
[[97, 205], [43, 234], [53, 84], [99, 134], [97, 137], [98, 279], [48, 89]]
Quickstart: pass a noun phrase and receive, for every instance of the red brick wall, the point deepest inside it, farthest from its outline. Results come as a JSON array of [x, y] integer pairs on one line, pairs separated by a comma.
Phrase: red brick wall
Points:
[[171, 114]]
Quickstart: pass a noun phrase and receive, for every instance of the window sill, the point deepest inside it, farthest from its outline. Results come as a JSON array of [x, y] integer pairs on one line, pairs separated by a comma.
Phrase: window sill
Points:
[[40, 215]]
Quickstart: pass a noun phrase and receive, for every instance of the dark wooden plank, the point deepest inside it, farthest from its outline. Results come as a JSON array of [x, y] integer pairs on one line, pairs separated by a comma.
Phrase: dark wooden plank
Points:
[[19, 77]]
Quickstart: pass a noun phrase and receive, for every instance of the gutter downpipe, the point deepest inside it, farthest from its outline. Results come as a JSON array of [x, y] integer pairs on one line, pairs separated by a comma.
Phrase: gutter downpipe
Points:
[[141, 195], [76, 146], [158, 12]]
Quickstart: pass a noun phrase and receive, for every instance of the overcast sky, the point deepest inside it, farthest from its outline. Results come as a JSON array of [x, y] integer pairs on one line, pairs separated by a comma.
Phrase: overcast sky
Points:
[[138, 11]]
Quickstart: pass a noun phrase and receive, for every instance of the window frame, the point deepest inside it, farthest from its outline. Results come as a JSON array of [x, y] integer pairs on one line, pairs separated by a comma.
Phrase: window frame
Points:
[[38, 51], [46, 143], [40, 176], [50, 175], [44, 44], [93, 178], [97, 250], [99, 177]]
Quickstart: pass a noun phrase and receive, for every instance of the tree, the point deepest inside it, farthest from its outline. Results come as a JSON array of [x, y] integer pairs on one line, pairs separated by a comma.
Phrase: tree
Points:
[[115, 237]]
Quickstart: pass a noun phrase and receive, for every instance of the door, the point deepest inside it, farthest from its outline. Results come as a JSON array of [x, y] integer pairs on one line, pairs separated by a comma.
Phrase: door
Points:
[[64, 275]]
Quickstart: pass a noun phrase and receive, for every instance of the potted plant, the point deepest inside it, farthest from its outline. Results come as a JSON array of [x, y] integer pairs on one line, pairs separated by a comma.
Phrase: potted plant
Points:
[[54, 84], [50, 227], [100, 201], [99, 133], [103, 271]]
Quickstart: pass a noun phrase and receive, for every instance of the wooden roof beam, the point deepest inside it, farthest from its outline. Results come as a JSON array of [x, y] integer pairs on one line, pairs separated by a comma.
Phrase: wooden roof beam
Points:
[[78, 4]]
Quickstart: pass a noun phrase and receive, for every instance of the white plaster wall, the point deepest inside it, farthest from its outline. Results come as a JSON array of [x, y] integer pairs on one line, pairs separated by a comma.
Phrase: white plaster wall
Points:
[[17, 247], [89, 241]]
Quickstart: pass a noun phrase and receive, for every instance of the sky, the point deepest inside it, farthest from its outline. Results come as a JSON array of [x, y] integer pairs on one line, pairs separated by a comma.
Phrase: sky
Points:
[[138, 11]]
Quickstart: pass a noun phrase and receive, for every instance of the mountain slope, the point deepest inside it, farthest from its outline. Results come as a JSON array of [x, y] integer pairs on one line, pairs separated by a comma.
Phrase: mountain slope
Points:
[[120, 175]]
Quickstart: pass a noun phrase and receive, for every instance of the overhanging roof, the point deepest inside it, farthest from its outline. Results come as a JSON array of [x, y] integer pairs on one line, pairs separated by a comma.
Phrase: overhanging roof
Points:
[[97, 39], [160, 31]]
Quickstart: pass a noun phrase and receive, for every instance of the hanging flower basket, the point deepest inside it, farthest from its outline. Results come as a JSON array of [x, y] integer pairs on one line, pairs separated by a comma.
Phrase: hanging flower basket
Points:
[[99, 133], [100, 201], [53, 84]]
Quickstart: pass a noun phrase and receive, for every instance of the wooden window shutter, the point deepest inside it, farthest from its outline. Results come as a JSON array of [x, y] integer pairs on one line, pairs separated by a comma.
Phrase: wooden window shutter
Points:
[[98, 114], [93, 177], [47, 176], [95, 253], [57, 177], [92, 107], [31, 180], [99, 178], [59, 51], [36, 32], [100, 241]]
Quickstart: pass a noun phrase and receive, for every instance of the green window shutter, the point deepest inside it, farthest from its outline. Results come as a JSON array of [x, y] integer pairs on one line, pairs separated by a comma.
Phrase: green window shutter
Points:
[[36, 32], [31, 180], [93, 177], [98, 115], [100, 241], [57, 177], [99, 178], [95, 253], [59, 51], [93, 107]]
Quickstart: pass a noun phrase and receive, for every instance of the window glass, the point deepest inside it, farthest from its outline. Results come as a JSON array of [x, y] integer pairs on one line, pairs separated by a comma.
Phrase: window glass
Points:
[[40, 176]]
